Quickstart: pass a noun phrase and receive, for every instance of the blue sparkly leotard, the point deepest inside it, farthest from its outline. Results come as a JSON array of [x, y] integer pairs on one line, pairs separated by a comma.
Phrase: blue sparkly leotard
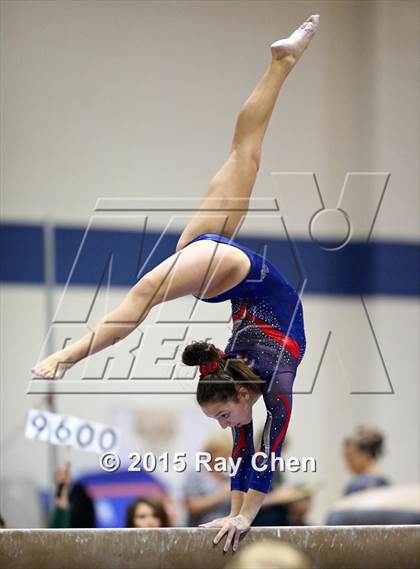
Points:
[[268, 331]]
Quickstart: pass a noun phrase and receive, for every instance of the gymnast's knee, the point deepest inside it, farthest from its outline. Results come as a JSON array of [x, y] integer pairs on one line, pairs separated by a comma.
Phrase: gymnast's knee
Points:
[[248, 152]]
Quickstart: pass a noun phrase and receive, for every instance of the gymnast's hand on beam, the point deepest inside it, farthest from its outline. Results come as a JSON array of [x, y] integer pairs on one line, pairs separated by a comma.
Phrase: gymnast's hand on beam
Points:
[[234, 527]]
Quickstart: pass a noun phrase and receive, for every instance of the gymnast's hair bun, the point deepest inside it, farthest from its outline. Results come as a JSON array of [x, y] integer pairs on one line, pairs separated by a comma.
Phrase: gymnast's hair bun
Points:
[[230, 374], [198, 353]]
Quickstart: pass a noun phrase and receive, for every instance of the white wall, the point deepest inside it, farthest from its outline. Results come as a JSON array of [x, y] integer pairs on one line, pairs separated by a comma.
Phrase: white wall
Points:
[[125, 99]]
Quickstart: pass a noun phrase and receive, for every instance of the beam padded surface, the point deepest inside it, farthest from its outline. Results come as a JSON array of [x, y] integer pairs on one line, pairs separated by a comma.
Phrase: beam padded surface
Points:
[[344, 547]]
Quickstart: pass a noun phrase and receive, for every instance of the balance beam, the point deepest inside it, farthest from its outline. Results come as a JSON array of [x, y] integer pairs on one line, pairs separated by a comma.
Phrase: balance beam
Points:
[[344, 547]]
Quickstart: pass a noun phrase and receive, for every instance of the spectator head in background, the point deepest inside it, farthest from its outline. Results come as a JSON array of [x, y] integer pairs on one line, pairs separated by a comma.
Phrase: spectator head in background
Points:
[[362, 449], [218, 445], [269, 554], [146, 513], [301, 505]]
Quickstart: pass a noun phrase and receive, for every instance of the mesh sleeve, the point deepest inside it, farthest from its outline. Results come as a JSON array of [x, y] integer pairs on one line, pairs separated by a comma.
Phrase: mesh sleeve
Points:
[[278, 401], [243, 449]]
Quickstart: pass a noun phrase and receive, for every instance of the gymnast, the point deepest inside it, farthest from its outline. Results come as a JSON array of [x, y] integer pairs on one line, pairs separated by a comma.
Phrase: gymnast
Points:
[[268, 340]]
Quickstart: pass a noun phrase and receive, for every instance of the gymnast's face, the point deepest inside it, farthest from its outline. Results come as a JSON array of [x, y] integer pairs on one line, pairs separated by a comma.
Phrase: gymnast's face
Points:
[[231, 413]]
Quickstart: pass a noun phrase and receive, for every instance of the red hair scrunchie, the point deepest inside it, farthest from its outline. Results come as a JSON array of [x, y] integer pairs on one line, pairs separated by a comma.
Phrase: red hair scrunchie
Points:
[[209, 367], [212, 366]]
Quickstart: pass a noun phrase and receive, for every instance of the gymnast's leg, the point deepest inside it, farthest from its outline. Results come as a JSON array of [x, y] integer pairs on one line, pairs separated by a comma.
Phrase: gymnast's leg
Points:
[[182, 273], [179, 275], [232, 185]]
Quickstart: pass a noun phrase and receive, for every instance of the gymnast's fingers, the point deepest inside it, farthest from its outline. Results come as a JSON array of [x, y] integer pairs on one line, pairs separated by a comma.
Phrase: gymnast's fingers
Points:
[[236, 540], [220, 534], [230, 536]]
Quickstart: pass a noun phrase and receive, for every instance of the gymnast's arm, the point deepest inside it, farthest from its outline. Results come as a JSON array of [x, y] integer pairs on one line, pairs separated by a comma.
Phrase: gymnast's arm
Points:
[[249, 485], [244, 502], [185, 272], [278, 401], [243, 449], [236, 501]]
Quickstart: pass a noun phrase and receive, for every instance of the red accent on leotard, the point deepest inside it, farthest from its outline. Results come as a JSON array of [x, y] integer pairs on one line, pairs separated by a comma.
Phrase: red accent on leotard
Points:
[[280, 436], [286, 341], [241, 443]]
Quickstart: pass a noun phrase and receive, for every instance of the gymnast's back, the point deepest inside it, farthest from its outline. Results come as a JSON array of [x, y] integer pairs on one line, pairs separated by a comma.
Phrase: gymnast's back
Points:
[[263, 296]]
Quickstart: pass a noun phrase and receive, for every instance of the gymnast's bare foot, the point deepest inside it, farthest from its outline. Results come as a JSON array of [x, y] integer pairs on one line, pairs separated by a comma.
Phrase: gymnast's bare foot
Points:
[[53, 367], [289, 50]]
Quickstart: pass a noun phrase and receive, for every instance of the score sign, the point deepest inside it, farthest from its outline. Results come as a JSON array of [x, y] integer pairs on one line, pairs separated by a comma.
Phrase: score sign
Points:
[[70, 431]]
